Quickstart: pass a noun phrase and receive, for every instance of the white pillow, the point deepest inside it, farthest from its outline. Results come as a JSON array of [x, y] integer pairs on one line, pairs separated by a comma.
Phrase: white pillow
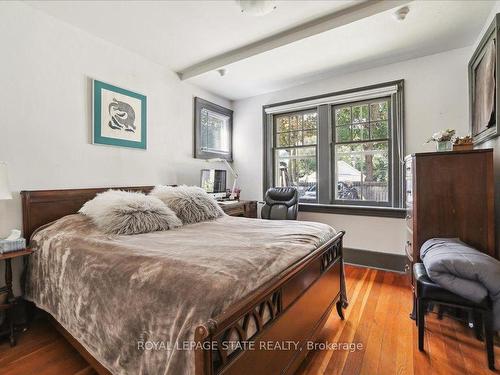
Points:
[[123, 212], [191, 204]]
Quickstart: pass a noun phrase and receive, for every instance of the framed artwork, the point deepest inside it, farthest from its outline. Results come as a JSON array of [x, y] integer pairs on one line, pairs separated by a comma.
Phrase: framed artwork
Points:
[[119, 116], [483, 87]]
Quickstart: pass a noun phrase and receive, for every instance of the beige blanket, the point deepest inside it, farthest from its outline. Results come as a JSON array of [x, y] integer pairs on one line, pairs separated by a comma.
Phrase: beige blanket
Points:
[[116, 293]]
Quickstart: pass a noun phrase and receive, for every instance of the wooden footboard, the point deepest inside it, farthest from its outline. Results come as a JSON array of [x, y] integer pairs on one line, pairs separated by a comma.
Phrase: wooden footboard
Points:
[[268, 332]]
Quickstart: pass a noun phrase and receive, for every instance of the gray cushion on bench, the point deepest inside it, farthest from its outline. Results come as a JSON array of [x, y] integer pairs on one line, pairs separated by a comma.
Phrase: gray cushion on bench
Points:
[[463, 270]]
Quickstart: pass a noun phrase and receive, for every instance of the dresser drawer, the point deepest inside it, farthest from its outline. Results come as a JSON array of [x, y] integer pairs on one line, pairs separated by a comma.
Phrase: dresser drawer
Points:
[[409, 246], [409, 255], [408, 182], [408, 167], [409, 191], [409, 218], [409, 274]]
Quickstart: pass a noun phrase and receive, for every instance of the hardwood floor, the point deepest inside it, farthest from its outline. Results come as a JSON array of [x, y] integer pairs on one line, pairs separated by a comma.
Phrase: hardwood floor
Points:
[[377, 319]]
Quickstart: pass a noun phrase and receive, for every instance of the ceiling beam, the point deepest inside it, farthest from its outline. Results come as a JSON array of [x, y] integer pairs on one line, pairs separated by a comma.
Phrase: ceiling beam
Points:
[[328, 22]]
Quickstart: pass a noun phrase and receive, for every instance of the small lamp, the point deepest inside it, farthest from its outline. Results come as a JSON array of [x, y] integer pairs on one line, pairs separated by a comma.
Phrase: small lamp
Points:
[[4, 182], [231, 170]]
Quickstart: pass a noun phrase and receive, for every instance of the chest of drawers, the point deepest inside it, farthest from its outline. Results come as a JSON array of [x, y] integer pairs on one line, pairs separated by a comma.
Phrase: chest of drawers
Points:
[[449, 194]]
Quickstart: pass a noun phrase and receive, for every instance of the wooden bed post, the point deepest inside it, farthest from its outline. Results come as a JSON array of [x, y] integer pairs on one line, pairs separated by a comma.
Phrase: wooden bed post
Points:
[[201, 357]]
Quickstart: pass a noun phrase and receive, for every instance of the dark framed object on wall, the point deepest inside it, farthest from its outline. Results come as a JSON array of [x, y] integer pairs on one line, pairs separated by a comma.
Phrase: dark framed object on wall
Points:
[[483, 86], [213, 131]]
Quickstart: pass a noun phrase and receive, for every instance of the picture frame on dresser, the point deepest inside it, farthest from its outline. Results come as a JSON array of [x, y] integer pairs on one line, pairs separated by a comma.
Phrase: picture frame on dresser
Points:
[[483, 86]]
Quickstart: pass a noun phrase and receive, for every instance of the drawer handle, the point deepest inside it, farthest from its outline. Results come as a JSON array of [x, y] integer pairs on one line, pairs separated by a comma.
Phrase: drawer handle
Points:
[[408, 247], [408, 217], [407, 267]]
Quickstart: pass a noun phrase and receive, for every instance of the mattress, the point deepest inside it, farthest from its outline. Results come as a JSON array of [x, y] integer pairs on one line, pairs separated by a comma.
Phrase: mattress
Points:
[[134, 301]]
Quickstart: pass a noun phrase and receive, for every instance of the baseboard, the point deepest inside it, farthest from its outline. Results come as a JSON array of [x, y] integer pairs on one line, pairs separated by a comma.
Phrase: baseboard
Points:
[[375, 259]]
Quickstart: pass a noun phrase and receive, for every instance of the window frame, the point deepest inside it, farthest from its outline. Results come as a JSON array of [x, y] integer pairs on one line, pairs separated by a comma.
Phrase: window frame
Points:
[[199, 153], [275, 146], [325, 105], [390, 151]]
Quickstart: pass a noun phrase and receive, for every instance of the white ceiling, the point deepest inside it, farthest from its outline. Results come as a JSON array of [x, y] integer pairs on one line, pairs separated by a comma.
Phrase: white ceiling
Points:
[[179, 34]]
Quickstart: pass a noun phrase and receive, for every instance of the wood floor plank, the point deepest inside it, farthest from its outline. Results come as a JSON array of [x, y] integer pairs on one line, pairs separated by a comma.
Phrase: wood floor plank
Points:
[[387, 363], [451, 346], [473, 351], [421, 360], [41, 335], [338, 360], [377, 317], [47, 361], [362, 334], [404, 350]]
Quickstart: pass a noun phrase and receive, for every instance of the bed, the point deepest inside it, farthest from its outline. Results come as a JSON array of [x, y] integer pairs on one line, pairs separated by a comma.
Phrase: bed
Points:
[[229, 296]]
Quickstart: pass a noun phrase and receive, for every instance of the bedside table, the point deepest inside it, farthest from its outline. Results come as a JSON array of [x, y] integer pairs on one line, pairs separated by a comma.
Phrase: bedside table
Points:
[[11, 300], [240, 208]]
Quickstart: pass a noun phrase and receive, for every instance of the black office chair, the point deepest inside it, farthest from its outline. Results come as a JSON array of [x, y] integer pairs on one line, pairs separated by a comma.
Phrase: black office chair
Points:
[[281, 203]]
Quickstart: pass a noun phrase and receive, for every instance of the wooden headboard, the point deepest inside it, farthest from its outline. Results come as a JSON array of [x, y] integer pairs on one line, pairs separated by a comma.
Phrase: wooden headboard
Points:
[[41, 207]]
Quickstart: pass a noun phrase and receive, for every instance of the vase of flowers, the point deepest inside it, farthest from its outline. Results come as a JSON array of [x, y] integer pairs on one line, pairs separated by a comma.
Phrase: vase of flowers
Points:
[[443, 139]]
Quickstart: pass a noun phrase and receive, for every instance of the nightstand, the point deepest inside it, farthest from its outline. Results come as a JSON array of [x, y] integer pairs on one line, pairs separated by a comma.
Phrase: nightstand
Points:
[[11, 300], [240, 208]]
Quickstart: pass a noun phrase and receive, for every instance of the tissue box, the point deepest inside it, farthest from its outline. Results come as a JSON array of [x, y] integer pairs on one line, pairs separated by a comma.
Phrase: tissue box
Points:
[[13, 245]]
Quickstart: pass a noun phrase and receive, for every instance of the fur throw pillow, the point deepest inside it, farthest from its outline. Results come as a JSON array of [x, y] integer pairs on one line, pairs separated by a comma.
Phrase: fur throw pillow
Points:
[[123, 212], [191, 204]]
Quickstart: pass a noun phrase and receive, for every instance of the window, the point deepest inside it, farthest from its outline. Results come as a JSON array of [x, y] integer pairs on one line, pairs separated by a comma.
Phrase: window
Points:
[[213, 130], [341, 150], [362, 144], [295, 157]]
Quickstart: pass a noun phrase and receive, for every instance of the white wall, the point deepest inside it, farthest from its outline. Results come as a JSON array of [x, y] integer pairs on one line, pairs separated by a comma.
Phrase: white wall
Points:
[[45, 106], [435, 98]]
